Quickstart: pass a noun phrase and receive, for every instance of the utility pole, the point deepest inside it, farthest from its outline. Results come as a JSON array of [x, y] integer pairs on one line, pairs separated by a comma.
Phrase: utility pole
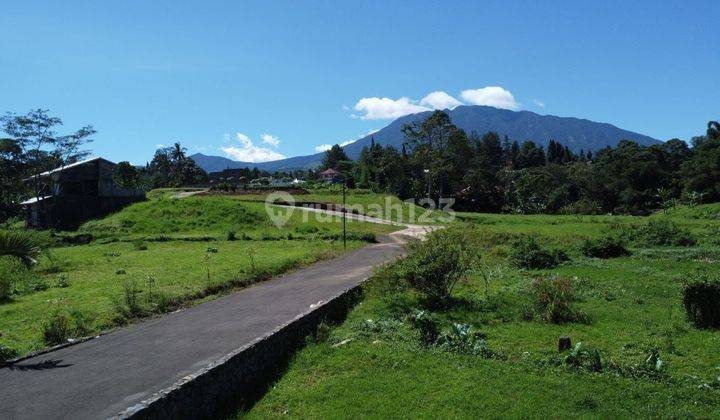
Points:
[[427, 176], [343, 214]]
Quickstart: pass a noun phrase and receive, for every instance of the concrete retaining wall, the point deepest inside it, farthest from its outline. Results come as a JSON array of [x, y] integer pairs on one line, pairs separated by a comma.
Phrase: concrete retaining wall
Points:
[[243, 376]]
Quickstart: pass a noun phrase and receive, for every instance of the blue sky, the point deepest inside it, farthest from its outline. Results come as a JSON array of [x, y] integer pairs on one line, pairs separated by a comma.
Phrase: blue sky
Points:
[[265, 79]]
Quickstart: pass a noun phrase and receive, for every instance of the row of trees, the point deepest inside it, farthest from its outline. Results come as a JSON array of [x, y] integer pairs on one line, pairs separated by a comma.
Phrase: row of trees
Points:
[[170, 167], [487, 173]]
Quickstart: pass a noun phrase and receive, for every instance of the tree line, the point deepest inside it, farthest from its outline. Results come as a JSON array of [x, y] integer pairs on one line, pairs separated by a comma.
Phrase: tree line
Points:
[[494, 174]]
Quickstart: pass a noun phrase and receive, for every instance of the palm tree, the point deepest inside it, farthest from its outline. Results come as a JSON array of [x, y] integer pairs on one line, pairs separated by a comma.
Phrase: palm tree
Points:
[[19, 245]]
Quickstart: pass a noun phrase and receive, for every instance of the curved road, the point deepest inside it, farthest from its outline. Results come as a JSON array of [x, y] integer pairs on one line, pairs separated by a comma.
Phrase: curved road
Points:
[[104, 376]]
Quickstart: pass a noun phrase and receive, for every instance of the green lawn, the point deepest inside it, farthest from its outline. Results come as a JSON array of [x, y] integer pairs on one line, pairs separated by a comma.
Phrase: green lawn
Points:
[[384, 206], [164, 248], [634, 305]]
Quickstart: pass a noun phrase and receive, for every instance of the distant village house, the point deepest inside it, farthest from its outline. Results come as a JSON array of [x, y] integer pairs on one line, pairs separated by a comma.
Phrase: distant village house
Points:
[[331, 176], [75, 193]]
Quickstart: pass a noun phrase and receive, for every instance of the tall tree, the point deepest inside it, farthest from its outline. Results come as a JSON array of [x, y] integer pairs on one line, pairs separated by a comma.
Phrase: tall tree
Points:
[[429, 145], [333, 157]]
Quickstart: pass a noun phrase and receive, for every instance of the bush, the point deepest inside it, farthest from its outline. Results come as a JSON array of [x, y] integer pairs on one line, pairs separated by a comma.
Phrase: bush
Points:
[[605, 247], [701, 299], [56, 329], [552, 299], [16, 278], [665, 232], [527, 253], [231, 236], [7, 280], [434, 266], [62, 281], [427, 325], [140, 245], [462, 338], [81, 323], [582, 356], [322, 333], [129, 304], [6, 353]]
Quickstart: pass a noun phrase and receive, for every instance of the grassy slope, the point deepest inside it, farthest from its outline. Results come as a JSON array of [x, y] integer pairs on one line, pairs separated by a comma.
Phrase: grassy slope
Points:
[[634, 302], [177, 265], [384, 206], [212, 215]]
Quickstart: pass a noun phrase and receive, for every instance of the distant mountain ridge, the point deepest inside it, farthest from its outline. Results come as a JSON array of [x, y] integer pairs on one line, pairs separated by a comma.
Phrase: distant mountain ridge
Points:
[[578, 134]]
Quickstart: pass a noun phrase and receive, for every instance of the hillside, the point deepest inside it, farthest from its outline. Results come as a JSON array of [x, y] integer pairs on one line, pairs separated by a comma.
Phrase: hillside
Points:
[[578, 134]]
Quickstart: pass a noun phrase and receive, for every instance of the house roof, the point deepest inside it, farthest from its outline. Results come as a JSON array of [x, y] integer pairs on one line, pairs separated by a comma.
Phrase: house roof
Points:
[[330, 171], [34, 200], [72, 165]]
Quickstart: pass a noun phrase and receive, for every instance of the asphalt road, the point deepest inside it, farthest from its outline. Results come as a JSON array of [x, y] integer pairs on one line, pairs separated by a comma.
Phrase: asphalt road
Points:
[[102, 377]]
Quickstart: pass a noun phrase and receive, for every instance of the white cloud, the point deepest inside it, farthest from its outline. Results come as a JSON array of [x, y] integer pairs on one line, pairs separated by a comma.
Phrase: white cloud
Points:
[[249, 152], [439, 100], [539, 103], [491, 96], [159, 146], [323, 148], [386, 108], [271, 140]]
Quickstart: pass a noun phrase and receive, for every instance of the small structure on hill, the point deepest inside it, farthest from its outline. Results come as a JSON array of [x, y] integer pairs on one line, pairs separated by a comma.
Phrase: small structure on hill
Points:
[[72, 194], [331, 176]]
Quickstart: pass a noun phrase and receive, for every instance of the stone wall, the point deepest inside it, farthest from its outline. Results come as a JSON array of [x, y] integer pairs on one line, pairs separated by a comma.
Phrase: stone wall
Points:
[[242, 377]]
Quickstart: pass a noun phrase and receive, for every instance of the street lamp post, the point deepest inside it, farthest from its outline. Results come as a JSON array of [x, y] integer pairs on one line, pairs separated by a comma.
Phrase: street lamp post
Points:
[[427, 176], [343, 214]]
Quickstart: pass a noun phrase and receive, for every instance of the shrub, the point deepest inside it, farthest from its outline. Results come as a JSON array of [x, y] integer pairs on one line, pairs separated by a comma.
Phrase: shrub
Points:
[[6, 353], [605, 247], [527, 253], [552, 299], [56, 329], [140, 245], [665, 232], [20, 245], [231, 236], [129, 305], [427, 325], [434, 266], [701, 299], [462, 338], [7, 279], [322, 333], [62, 281], [81, 323], [582, 356]]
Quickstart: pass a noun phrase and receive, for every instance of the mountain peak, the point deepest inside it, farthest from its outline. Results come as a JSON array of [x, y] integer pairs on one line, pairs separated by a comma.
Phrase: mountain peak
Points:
[[576, 133]]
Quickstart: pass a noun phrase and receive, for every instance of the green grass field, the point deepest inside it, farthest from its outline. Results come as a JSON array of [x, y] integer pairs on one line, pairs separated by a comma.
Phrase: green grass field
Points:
[[163, 248], [383, 206], [634, 306]]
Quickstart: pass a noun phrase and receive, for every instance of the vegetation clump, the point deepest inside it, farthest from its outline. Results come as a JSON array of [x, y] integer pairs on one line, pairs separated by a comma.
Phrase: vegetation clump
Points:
[[464, 339], [608, 246], [527, 253], [56, 328], [434, 267], [552, 299], [7, 353], [665, 232], [701, 298]]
